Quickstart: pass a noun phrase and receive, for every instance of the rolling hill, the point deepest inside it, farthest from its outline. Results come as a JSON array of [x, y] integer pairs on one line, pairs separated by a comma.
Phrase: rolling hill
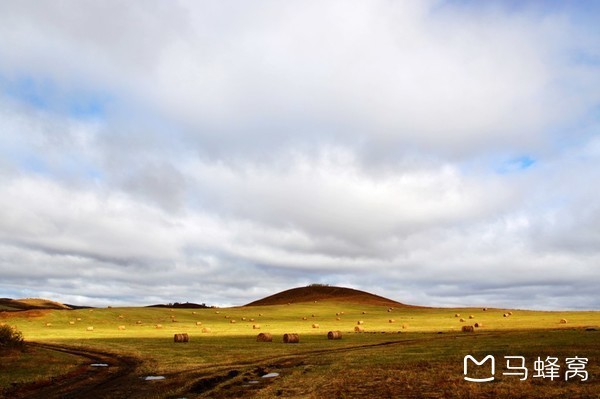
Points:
[[30, 304], [313, 293]]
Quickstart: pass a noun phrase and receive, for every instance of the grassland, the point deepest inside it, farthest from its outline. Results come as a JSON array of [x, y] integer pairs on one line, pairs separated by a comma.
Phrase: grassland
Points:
[[418, 355]]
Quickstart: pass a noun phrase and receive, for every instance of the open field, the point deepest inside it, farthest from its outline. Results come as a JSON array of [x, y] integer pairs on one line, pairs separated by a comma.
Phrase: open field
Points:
[[420, 354]]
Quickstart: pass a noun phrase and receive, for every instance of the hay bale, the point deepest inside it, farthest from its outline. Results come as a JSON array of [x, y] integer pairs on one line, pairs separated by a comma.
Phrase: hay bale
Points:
[[291, 338], [121, 316], [217, 312], [462, 320], [256, 326], [471, 316], [243, 319], [315, 325], [264, 337], [121, 328], [138, 322], [334, 335], [364, 312], [171, 310], [468, 329], [389, 310], [505, 315], [71, 322], [478, 325], [198, 323], [360, 322], [457, 315], [391, 320], [251, 320], [313, 315], [404, 326], [341, 313], [78, 319], [359, 329], [226, 316], [48, 324], [158, 326], [510, 313], [206, 330], [563, 321], [232, 321], [260, 314], [172, 316], [90, 328], [338, 319], [304, 318], [181, 337], [485, 309], [173, 321], [194, 312]]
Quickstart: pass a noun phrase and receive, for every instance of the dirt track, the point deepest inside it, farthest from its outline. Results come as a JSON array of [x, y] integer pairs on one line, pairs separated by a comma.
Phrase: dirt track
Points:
[[117, 380]]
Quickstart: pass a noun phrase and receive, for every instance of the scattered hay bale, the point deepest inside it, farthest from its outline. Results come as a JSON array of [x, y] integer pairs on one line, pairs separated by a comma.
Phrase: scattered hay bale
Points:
[[364, 312], [251, 320], [510, 313], [90, 328], [315, 325], [359, 329], [334, 335], [337, 314], [138, 322], [471, 316], [206, 330], [505, 315], [121, 316], [260, 314], [391, 320], [468, 329], [360, 322], [173, 320], [485, 309], [78, 319], [389, 310], [226, 316], [304, 318], [171, 310], [256, 326], [462, 320], [232, 321], [158, 326], [243, 319], [341, 313], [264, 337], [48, 324], [198, 323], [194, 312], [478, 325], [563, 321], [313, 315], [217, 312], [71, 322], [172, 316], [457, 315], [291, 338], [121, 328], [404, 326], [338, 319], [181, 337]]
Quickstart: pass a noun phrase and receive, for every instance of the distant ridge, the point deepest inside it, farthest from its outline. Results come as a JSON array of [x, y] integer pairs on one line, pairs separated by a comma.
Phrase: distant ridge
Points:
[[30, 304], [186, 305], [325, 293]]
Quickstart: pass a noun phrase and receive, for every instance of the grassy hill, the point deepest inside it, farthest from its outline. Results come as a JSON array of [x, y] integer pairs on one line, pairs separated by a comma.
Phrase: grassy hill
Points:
[[30, 304], [318, 293]]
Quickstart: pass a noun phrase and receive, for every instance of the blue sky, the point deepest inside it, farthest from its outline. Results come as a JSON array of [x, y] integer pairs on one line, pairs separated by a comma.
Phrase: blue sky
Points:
[[220, 152]]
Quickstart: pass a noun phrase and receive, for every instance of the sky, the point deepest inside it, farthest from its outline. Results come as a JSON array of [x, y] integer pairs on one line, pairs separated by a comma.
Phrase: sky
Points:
[[438, 153]]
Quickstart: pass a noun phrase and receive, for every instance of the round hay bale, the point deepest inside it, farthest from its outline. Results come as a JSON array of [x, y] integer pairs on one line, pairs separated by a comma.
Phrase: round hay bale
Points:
[[404, 326], [264, 337], [338, 319], [304, 318], [78, 319], [341, 313], [138, 322], [198, 323], [173, 321], [505, 315], [260, 314], [121, 316], [121, 328], [563, 321], [389, 310], [468, 329], [291, 338], [457, 315], [158, 326], [360, 322], [48, 324], [181, 337], [462, 320], [359, 329], [478, 325], [171, 310], [90, 328], [226, 316], [315, 325], [364, 312], [391, 320], [334, 335], [232, 321], [217, 312], [71, 322], [243, 319], [471, 316], [510, 313], [485, 309], [313, 315], [206, 330], [251, 320], [256, 326], [172, 316], [194, 313]]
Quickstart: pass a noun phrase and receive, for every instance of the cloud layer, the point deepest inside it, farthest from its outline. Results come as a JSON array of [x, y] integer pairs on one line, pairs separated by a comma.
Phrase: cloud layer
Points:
[[438, 153]]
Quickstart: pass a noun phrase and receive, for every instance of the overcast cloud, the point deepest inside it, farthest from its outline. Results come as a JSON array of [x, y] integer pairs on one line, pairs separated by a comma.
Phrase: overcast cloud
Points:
[[434, 152]]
